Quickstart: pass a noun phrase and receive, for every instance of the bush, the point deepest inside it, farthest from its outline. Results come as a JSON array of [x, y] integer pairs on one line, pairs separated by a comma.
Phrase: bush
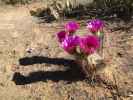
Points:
[[122, 8], [13, 2]]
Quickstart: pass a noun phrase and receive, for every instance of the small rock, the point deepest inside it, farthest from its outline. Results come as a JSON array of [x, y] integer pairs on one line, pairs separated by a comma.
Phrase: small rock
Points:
[[29, 50]]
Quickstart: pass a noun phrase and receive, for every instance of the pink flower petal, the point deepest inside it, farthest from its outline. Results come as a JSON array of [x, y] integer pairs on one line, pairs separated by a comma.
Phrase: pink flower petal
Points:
[[71, 26], [89, 44], [61, 36], [95, 25], [69, 44]]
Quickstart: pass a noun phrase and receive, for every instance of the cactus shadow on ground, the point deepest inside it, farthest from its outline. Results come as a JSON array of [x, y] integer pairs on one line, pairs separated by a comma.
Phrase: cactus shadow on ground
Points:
[[73, 73]]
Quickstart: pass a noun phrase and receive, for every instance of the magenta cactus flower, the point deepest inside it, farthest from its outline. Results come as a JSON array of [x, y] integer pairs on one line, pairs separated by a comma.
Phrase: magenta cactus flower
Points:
[[61, 36], [70, 42], [89, 44], [95, 25], [71, 26]]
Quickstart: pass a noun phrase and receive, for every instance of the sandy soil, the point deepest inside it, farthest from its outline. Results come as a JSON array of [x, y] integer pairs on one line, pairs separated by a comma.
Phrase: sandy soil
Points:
[[34, 67]]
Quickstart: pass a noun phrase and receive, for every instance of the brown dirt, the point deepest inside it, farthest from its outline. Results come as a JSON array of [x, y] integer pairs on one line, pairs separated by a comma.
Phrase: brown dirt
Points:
[[33, 67]]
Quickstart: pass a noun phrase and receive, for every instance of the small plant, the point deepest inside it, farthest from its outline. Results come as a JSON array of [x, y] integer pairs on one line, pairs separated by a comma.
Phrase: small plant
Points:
[[84, 48]]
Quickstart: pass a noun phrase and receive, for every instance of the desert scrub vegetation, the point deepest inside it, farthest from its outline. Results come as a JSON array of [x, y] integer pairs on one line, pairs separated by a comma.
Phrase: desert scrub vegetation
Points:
[[13, 2], [73, 8], [121, 8], [94, 8]]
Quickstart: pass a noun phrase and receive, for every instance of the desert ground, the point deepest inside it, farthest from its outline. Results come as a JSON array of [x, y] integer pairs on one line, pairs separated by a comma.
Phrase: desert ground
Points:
[[34, 67]]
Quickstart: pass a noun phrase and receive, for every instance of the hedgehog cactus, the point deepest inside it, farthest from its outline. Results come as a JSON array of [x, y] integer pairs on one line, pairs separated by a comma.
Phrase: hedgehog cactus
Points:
[[84, 48]]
